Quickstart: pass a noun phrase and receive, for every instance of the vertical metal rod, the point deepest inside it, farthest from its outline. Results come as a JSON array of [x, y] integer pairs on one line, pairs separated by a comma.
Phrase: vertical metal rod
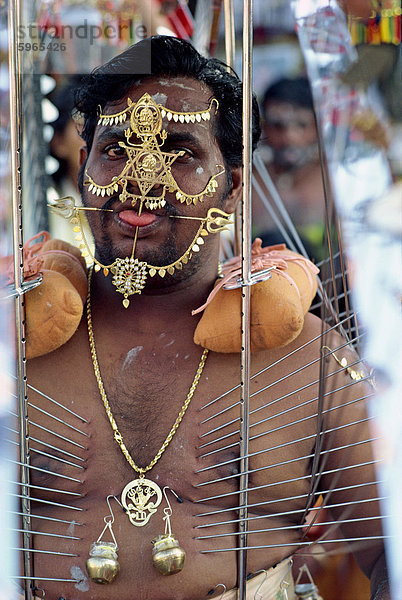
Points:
[[230, 49], [230, 39], [246, 276], [14, 22]]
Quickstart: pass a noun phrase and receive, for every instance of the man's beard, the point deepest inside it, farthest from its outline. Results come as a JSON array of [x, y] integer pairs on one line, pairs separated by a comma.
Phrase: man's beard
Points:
[[169, 252]]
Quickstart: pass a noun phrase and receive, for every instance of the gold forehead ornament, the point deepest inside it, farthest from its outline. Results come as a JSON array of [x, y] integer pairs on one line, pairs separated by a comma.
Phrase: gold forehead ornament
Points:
[[147, 166]]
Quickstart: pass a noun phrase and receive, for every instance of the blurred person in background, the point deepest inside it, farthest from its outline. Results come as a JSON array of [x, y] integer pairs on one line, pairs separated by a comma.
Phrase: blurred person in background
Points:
[[290, 153]]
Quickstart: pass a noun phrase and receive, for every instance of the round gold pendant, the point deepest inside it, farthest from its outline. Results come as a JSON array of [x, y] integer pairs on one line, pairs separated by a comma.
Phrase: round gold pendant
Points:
[[140, 499]]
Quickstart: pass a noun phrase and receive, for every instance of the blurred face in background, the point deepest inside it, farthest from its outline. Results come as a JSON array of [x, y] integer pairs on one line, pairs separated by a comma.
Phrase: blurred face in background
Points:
[[290, 131]]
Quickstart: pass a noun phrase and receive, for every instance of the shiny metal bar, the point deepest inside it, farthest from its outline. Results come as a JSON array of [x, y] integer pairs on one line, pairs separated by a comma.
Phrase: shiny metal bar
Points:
[[292, 527], [71, 412], [51, 456], [46, 445], [285, 499], [330, 393], [48, 414], [50, 502], [43, 518], [14, 65], [230, 38], [61, 437], [17, 462], [300, 544], [305, 403], [245, 372], [286, 462], [47, 489], [293, 479], [44, 579], [43, 552], [43, 533], [285, 444], [290, 374], [302, 347]]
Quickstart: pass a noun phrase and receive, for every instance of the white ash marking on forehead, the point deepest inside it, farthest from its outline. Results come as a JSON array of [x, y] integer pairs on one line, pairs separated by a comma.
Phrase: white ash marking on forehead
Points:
[[159, 98], [173, 82]]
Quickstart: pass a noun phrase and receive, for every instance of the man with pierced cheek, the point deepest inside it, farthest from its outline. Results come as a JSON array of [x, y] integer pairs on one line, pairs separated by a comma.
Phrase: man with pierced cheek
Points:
[[156, 504]]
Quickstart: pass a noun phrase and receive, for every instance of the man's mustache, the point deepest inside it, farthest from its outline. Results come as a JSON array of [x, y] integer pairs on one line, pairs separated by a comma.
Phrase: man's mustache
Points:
[[114, 201]]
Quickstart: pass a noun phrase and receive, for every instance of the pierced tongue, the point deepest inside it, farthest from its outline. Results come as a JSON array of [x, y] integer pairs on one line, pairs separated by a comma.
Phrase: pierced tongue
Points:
[[132, 218]]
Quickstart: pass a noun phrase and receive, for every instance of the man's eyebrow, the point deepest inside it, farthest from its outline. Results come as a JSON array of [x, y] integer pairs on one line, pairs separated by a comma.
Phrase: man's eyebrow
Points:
[[175, 137], [111, 133]]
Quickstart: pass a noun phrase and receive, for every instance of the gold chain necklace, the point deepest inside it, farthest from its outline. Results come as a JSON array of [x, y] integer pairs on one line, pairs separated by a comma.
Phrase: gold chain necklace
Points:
[[140, 497]]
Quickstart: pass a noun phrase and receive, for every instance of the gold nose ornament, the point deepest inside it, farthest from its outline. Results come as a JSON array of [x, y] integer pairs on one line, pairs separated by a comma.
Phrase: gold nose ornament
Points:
[[102, 565], [167, 556]]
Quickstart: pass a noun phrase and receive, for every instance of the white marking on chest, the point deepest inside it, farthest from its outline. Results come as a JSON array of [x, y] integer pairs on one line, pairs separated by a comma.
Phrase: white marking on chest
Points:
[[131, 355], [71, 528], [82, 580], [199, 170]]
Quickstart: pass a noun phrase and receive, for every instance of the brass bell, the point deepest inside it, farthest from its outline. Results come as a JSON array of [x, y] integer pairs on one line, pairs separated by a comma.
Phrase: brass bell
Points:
[[167, 556], [102, 564]]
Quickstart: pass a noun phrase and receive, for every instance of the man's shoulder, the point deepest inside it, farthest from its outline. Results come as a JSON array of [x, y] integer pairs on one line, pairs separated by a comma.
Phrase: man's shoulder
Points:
[[62, 359], [306, 345]]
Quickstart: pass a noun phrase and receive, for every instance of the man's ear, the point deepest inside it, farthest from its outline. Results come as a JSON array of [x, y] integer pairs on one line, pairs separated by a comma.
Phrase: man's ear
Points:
[[83, 155], [235, 194]]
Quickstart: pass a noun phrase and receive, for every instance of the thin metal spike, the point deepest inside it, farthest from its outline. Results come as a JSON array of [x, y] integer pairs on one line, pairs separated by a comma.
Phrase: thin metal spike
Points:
[[43, 518], [284, 444], [298, 544], [287, 498], [58, 435], [46, 489], [43, 533], [47, 445], [45, 412], [327, 410], [284, 462], [67, 462], [336, 372], [265, 388], [44, 552], [42, 578], [219, 439], [293, 479], [34, 389], [298, 511], [297, 421], [292, 527], [50, 502], [302, 347], [221, 412], [230, 446], [16, 462]]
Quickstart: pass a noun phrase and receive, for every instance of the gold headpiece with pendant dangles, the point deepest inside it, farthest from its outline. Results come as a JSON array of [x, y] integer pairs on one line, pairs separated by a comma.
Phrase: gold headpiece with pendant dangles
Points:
[[147, 164]]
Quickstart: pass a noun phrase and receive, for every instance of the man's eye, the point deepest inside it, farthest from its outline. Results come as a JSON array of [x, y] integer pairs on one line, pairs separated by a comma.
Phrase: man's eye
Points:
[[115, 151], [184, 154]]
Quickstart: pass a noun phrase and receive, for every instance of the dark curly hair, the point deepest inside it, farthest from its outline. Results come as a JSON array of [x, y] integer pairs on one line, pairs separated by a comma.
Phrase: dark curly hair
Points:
[[165, 55]]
